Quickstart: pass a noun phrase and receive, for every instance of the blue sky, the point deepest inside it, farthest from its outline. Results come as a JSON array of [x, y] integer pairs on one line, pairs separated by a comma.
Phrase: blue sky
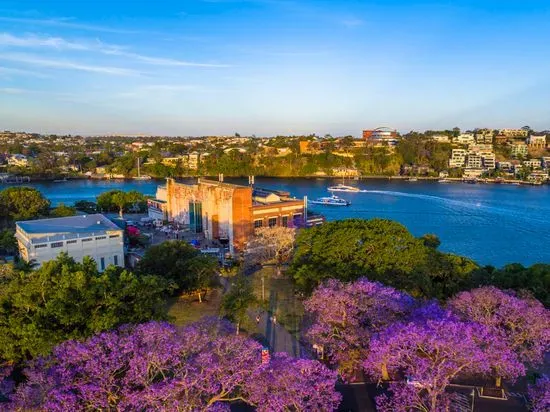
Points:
[[267, 67]]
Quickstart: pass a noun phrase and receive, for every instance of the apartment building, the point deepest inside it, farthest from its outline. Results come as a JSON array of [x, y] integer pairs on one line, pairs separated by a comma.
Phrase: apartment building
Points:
[[519, 150], [537, 141], [91, 235], [514, 133], [18, 160], [458, 158], [464, 138], [441, 138], [505, 166], [533, 163], [484, 136], [474, 161], [489, 160]]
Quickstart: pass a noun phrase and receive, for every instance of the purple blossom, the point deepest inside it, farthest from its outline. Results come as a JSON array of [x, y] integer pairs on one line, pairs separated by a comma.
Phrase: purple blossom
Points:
[[293, 384], [430, 352], [155, 366], [539, 395], [6, 383], [347, 314], [403, 397], [524, 324]]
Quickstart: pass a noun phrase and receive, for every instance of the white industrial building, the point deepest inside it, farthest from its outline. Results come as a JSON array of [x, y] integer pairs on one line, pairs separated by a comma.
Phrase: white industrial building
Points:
[[91, 235]]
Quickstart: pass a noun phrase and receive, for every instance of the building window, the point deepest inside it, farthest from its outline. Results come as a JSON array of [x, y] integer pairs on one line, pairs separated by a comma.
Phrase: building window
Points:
[[101, 237], [258, 223], [40, 246], [272, 222], [102, 263], [285, 221], [71, 242], [116, 260], [88, 239], [57, 244], [113, 236]]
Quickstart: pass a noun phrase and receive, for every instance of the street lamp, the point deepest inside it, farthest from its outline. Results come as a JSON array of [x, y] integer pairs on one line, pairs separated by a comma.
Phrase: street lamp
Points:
[[473, 395]]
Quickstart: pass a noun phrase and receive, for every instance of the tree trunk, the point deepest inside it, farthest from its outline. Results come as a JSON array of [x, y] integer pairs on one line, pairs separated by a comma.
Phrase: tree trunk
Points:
[[498, 382], [238, 327], [434, 402], [200, 299], [385, 374], [120, 212]]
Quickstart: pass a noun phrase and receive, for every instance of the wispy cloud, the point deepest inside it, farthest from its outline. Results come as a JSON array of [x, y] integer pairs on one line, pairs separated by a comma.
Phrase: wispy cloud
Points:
[[67, 23], [11, 71], [170, 87], [13, 90], [161, 89], [352, 22], [7, 39], [69, 65], [32, 41], [162, 61]]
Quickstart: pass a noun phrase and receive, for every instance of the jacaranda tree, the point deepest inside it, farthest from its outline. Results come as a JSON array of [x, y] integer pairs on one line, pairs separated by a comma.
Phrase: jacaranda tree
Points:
[[539, 395], [430, 350], [6, 383], [347, 314], [523, 323], [155, 366]]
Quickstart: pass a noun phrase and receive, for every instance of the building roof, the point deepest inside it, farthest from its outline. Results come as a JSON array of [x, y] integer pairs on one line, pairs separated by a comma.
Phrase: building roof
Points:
[[95, 223]]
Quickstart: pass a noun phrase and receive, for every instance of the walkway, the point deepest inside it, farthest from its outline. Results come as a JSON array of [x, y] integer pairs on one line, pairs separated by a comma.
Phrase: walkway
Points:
[[276, 336]]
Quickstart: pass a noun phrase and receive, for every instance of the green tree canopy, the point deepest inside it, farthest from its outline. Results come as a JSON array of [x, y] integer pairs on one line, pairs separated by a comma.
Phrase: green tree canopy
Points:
[[8, 244], [119, 200], [68, 300], [181, 264], [22, 203], [236, 302], [534, 279], [381, 250], [63, 211]]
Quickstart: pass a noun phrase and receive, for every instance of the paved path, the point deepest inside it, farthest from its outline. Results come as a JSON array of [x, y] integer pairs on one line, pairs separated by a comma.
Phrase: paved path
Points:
[[275, 335], [278, 338]]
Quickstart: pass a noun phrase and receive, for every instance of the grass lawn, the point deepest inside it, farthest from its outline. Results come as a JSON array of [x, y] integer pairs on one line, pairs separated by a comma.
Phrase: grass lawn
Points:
[[279, 298], [187, 309]]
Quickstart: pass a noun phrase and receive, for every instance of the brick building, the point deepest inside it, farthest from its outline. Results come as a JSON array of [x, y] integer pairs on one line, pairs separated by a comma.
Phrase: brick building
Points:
[[227, 211]]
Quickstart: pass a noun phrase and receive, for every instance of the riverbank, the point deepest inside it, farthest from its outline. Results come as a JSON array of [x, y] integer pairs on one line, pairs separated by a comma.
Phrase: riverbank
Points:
[[6, 178], [492, 223]]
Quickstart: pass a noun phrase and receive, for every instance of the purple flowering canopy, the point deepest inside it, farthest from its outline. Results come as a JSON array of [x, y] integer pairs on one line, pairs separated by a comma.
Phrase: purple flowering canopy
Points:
[[432, 349], [6, 384], [347, 314], [539, 395], [154, 366], [523, 323]]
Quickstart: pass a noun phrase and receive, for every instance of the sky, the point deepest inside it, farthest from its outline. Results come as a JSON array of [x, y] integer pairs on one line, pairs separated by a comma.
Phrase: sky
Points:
[[269, 67]]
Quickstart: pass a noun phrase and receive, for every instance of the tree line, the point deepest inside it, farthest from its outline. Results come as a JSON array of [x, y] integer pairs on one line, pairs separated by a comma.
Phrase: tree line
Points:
[[385, 251]]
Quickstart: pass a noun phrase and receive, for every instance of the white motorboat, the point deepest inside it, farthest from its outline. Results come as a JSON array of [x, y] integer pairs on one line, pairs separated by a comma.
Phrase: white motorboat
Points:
[[343, 188], [330, 201]]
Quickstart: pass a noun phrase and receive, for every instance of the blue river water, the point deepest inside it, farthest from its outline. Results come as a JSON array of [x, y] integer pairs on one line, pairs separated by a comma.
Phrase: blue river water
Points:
[[492, 224]]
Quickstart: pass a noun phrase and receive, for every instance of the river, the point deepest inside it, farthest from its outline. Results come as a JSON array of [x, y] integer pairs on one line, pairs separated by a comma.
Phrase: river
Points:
[[490, 223]]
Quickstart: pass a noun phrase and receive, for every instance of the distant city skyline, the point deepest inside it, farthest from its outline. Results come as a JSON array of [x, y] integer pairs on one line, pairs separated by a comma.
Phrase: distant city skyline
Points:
[[272, 67]]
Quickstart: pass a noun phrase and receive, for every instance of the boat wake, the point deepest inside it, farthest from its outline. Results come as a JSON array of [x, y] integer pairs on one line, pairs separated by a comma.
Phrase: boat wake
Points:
[[450, 203]]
